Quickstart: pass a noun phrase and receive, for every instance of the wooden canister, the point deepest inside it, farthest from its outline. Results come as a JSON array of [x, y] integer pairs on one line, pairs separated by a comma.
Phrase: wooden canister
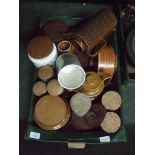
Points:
[[39, 88], [41, 51], [45, 72], [54, 88]]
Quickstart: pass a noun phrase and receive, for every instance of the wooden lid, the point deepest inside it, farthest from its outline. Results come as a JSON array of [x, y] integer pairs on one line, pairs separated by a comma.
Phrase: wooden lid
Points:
[[39, 88], [45, 72], [80, 104], [54, 88], [50, 112], [95, 115], [55, 30], [40, 47], [111, 100], [111, 122], [79, 122]]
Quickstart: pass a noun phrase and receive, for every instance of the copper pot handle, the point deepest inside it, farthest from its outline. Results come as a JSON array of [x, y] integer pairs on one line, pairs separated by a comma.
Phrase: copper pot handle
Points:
[[96, 53]]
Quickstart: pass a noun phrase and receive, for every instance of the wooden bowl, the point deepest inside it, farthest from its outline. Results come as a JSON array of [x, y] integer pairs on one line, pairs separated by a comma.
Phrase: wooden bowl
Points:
[[107, 62]]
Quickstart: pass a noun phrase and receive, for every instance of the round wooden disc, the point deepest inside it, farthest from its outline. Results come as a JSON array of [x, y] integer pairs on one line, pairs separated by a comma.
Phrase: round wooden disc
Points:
[[79, 122], [39, 88], [54, 88], [95, 115], [80, 104], [111, 122], [40, 47], [55, 30], [50, 112], [45, 72], [47, 127], [111, 100]]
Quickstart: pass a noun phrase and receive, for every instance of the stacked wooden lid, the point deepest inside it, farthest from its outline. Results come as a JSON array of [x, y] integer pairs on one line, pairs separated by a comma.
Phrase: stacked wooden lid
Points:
[[51, 112]]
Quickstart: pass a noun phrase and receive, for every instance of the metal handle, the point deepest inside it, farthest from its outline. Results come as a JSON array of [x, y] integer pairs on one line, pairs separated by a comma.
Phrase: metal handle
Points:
[[96, 53]]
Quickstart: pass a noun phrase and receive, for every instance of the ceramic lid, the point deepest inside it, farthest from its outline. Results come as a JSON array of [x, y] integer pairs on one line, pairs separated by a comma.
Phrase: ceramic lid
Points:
[[39, 88], [45, 72], [40, 47], [51, 112], [54, 88]]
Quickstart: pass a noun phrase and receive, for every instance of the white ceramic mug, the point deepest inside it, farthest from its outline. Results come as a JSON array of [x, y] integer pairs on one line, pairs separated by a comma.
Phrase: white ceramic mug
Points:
[[50, 59], [70, 73]]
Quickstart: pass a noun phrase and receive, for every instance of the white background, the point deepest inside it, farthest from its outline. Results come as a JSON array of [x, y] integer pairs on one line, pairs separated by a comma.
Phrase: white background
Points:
[[145, 77]]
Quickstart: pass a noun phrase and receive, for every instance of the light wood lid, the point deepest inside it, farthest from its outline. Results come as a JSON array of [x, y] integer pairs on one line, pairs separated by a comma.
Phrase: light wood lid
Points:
[[111, 100], [45, 72], [111, 122], [39, 88], [50, 111], [54, 88], [40, 47]]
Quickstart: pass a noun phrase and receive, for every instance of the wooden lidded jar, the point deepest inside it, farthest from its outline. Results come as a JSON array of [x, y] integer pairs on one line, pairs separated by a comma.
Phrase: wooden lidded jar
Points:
[[41, 51]]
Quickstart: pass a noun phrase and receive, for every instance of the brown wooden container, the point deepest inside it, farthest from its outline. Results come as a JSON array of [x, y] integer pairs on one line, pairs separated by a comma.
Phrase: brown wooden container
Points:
[[39, 88], [45, 72], [54, 88]]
